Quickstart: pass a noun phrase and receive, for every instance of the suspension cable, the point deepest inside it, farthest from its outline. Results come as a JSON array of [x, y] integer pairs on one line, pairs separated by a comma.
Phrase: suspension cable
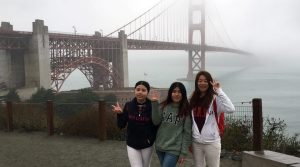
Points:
[[135, 19], [153, 18]]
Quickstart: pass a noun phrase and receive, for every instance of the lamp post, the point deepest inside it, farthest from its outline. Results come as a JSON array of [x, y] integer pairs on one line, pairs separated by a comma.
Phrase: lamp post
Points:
[[101, 32], [74, 30]]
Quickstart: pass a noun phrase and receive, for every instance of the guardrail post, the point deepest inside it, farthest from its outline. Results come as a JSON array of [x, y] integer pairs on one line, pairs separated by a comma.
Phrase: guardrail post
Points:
[[101, 121], [9, 116], [50, 117], [257, 124]]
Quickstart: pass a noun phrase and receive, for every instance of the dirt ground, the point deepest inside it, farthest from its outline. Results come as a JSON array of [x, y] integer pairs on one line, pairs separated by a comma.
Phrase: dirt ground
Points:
[[36, 149]]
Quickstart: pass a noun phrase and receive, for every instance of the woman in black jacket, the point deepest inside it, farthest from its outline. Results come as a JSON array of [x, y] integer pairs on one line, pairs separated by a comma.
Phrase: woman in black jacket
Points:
[[141, 132]]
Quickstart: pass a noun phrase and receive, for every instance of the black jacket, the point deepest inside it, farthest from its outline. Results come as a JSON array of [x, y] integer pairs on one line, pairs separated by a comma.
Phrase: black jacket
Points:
[[141, 132]]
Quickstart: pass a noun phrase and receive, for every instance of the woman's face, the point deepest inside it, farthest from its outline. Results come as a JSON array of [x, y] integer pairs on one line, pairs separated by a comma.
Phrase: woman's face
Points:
[[176, 95], [203, 84], [141, 93]]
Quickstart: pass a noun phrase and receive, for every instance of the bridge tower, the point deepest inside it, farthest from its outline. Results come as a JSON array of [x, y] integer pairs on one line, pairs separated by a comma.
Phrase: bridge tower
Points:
[[123, 60], [24, 57], [11, 63], [37, 58], [196, 57]]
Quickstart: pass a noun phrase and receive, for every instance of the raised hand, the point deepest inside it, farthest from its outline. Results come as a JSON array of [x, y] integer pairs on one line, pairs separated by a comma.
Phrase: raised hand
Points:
[[116, 108], [154, 95], [216, 85]]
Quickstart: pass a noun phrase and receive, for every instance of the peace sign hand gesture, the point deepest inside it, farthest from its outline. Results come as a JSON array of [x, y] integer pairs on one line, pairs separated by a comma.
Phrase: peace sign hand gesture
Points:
[[116, 108], [216, 85]]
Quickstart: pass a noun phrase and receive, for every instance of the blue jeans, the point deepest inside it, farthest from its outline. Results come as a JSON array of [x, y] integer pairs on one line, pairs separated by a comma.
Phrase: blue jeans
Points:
[[167, 159]]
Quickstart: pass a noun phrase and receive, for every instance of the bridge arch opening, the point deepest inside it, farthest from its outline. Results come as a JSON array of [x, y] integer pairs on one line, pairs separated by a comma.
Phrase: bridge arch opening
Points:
[[76, 80], [98, 72]]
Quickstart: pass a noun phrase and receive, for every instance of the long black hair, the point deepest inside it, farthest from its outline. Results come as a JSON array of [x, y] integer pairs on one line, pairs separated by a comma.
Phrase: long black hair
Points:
[[196, 99], [183, 104]]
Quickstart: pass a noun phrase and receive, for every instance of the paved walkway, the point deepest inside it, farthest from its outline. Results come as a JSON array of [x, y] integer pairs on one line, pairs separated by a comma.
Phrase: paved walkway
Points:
[[36, 149]]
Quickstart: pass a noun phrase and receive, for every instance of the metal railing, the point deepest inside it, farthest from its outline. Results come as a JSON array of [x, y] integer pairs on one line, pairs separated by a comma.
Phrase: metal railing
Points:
[[243, 112], [48, 116], [43, 113]]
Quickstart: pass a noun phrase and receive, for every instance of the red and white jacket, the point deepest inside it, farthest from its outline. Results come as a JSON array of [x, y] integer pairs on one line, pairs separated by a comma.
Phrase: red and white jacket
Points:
[[210, 130]]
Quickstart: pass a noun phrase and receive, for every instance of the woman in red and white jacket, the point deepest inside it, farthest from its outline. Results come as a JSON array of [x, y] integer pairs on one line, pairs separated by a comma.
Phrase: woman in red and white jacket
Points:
[[206, 137]]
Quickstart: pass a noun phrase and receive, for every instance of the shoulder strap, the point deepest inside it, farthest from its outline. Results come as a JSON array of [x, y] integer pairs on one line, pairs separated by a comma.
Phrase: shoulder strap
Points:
[[219, 119], [215, 110]]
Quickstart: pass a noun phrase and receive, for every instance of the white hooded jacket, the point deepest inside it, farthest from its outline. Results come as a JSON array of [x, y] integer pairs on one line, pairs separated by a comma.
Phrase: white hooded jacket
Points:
[[210, 130]]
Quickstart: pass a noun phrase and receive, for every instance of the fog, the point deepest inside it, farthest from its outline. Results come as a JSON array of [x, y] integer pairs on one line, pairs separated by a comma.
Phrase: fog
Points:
[[270, 29], [267, 27], [61, 15]]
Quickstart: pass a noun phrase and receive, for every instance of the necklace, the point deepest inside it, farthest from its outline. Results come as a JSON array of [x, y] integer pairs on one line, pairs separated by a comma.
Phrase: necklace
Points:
[[141, 108]]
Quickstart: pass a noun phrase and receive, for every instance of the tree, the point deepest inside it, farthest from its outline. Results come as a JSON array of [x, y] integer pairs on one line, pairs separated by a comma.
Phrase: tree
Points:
[[68, 104]]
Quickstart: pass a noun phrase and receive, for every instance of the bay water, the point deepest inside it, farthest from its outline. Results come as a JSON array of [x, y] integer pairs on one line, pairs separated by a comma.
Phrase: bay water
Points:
[[273, 79]]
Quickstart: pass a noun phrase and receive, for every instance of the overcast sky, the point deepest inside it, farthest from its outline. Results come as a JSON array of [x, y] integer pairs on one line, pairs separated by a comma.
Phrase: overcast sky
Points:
[[266, 26]]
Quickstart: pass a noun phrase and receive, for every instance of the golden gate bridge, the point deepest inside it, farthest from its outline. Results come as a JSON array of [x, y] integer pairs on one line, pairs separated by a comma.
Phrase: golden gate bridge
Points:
[[46, 59]]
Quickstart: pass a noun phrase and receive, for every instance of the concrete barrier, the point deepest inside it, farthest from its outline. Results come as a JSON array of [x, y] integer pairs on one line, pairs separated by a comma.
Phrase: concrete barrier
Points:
[[268, 159]]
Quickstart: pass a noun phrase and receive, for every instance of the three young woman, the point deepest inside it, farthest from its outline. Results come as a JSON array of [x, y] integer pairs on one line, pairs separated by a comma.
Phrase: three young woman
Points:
[[180, 123], [206, 138]]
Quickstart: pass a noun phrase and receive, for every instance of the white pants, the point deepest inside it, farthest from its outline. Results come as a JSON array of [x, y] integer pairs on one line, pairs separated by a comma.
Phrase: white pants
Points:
[[139, 158], [207, 154]]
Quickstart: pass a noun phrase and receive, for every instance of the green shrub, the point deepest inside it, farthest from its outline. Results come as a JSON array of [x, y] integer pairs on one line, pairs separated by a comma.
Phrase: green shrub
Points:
[[81, 96], [83, 123], [68, 104], [275, 139], [238, 137], [13, 96], [29, 117], [273, 134], [42, 95]]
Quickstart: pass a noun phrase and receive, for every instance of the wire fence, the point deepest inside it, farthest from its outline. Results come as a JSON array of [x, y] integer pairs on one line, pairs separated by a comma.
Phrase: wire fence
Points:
[[243, 112]]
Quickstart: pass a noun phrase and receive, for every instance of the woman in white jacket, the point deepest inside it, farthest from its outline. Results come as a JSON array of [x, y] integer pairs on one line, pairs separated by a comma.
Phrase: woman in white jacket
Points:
[[206, 137]]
